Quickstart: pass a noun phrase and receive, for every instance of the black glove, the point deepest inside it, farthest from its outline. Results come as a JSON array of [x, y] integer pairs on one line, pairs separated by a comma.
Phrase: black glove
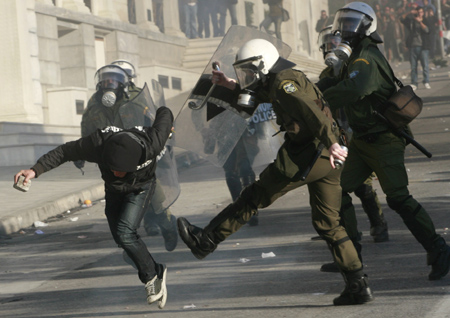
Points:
[[79, 164]]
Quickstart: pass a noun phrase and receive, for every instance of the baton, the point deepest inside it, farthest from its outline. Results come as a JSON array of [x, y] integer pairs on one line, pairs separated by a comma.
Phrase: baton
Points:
[[312, 162], [410, 139], [192, 105]]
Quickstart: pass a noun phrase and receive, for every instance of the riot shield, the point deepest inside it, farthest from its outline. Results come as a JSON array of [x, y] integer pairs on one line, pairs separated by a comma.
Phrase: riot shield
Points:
[[210, 131], [141, 111], [158, 94], [262, 139]]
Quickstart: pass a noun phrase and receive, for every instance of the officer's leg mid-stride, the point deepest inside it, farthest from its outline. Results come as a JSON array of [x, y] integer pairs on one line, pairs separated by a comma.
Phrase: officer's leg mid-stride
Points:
[[325, 196], [391, 172]]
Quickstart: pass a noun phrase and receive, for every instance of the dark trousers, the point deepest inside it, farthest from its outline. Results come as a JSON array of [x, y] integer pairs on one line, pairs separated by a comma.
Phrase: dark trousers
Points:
[[124, 213]]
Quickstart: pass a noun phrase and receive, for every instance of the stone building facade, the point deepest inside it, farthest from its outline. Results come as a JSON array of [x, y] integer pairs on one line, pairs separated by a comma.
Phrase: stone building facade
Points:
[[52, 49]]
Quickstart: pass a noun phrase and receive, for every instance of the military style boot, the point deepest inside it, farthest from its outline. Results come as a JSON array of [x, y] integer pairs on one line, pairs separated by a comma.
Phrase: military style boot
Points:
[[195, 238], [439, 259], [357, 290], [371, 205]]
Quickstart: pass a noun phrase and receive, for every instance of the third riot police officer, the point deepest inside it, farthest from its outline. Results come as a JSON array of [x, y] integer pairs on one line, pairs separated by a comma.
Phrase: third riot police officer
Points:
[[365, 82]]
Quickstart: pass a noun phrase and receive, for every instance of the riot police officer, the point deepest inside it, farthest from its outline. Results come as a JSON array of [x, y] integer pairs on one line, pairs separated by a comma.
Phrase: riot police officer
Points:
[[328, 42], [365, 82], [311, 142]]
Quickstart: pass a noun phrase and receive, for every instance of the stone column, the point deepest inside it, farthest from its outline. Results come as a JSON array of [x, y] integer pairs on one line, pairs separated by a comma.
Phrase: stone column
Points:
[[20, 81], [106, 9], [172, 19], [141, 15], [73, 5]]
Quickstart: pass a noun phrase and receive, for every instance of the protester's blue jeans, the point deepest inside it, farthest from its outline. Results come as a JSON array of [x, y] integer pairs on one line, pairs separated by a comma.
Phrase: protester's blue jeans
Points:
[[124, 213], [190, 23], [418, 54]]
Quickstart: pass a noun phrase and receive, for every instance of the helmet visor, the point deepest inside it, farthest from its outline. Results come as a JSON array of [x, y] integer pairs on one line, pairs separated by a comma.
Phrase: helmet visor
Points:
[[350, 22], [329, 42], [247, 71], [110, 77]]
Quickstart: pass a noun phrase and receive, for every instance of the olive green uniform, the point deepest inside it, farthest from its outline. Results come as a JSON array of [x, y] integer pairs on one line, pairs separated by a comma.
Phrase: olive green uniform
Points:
[[365, 192], [295, 102], [98, 116], [364, 82]]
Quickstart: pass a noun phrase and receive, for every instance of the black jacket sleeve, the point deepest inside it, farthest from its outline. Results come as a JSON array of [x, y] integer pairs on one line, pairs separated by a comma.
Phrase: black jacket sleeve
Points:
[[160, 131], [81, 149]]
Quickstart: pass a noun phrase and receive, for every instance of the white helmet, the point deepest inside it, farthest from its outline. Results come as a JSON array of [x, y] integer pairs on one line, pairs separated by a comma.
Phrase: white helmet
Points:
[[254, 60], [127, 66], [355, 18]]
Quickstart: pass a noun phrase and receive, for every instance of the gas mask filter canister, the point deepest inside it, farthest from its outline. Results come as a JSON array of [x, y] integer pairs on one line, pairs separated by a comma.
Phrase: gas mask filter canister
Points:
[[246, 99], [331, 59], [343, 51], [109, 99]]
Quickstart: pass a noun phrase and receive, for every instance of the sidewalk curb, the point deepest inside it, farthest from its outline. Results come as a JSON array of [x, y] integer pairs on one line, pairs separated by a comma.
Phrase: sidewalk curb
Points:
[[11, 224]]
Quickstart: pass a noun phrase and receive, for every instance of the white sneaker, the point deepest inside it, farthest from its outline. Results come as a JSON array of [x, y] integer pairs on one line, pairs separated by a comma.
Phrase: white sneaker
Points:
[[157, 290], [414, 87], [427, 85]]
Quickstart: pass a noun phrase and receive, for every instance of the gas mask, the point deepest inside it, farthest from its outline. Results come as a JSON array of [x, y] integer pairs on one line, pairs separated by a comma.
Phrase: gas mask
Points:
[[345, 49], [246, 99], [328, 42], [111, 83], [353, 24]]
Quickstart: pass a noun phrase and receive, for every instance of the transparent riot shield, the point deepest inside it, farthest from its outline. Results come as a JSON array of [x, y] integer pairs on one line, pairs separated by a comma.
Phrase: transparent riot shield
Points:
[[158, 94], [210, 131], [262, 138], [141, 111]]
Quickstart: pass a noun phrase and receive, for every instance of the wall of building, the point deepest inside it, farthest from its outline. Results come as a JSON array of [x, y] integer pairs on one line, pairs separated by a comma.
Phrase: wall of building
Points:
[[52, 49]]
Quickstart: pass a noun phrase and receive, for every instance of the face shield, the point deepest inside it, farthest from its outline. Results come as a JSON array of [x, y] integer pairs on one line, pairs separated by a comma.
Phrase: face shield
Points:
[[110, 77], [248, 72], [350, 23], [327, 41]]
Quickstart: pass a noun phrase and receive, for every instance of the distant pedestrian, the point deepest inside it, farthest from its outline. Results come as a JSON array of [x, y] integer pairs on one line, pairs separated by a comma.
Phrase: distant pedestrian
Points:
[[415, 23], [323, 21], [203, 18], [225, 6], [275, 16], [190, 18]]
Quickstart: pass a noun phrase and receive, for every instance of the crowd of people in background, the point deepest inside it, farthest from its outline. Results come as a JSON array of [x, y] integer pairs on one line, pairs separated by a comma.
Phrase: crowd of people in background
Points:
[[198, 16], [207, 18]]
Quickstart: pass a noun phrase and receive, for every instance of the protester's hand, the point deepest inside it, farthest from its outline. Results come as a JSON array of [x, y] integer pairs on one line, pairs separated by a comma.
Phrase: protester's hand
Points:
[[28, 174], [79, 164], [336, 152], [219, 78]]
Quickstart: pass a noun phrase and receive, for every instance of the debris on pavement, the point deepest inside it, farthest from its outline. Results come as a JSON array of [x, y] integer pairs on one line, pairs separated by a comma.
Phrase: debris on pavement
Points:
[[267, 255]]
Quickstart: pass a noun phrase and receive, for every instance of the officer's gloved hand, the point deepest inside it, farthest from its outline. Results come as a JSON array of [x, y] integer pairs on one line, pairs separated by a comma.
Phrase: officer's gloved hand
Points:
[[79, 164]]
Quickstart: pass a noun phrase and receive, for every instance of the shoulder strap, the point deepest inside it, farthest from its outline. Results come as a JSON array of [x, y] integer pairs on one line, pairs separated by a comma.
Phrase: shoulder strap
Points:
[[396, 80]]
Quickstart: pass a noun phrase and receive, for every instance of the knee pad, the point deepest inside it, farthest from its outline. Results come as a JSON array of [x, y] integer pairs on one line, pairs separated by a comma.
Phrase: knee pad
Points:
[[346, 201], [397, 204]]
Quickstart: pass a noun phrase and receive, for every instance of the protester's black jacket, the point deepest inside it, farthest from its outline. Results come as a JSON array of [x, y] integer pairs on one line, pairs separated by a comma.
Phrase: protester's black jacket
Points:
[[90, 148]]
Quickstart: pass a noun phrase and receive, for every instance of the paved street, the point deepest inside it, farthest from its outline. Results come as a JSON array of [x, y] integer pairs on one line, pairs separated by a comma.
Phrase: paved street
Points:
[[74, 268]]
